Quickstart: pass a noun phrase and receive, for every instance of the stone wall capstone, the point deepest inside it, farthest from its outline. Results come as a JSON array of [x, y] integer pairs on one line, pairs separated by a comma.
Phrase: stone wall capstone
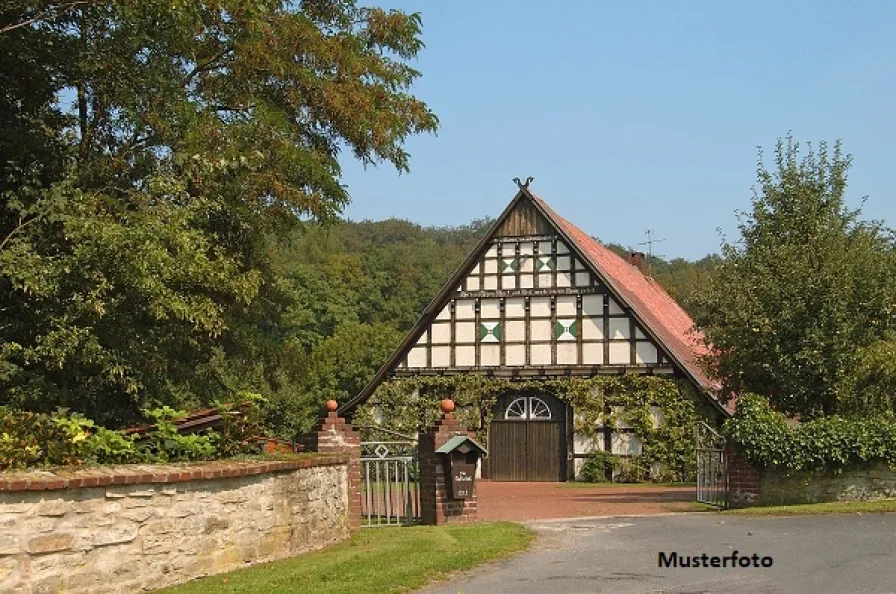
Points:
[[131, 529]]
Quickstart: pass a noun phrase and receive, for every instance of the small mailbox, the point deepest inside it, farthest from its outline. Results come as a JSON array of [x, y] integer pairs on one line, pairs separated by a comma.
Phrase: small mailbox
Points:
[[460, 454]]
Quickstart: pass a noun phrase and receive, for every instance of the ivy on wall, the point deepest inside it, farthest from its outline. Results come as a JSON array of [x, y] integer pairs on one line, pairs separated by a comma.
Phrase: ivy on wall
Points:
[[410, 404], [825, 444]]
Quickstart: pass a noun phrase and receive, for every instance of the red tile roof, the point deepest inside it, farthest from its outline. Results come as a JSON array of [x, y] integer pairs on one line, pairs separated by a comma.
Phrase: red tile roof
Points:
[[659, 311]]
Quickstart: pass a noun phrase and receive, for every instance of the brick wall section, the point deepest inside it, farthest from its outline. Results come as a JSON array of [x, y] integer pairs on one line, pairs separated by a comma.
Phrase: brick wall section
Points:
[[132, 529], [435, 505], [744, 481], [334, 436]]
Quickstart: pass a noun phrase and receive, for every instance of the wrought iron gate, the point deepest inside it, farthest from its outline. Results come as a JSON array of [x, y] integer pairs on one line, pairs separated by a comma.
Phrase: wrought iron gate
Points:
[[712, 467], [390, 478]]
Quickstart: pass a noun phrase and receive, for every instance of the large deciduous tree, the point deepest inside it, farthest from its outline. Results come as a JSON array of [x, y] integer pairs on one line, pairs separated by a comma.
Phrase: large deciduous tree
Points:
[[150, 148], [808, 285]]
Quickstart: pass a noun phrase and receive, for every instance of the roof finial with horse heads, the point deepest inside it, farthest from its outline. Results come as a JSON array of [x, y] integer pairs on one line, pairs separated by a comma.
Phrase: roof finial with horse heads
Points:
[[522, 185]]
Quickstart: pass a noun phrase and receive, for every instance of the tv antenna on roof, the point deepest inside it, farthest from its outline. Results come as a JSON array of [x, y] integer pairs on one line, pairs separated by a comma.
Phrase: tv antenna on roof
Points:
[[649, 243]]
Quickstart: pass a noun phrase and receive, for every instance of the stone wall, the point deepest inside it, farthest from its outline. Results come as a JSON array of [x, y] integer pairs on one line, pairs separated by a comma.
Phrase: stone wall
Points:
[[136, 528], [875, 481]]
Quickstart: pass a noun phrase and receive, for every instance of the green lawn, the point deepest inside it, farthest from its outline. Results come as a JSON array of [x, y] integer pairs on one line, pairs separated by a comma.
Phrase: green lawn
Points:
[[374, 560], [817, 509]]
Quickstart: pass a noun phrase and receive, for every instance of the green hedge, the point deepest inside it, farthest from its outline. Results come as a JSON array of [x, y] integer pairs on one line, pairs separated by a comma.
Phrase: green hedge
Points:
[[29, 439], [824, 444]]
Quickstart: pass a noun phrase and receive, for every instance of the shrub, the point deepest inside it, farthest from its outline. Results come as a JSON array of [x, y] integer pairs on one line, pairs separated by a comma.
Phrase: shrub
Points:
[[23, 436], [600, 466], [827, 443], [62, 438], [597, 466], [114, 447], [629, 469], [242, 424], [164, 444]]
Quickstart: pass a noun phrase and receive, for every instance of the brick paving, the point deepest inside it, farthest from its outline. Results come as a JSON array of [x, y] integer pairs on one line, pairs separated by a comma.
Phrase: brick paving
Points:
[[542, 501]]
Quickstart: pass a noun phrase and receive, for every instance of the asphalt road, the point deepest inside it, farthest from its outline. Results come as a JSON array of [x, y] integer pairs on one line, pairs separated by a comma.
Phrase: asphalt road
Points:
[[855, 553]]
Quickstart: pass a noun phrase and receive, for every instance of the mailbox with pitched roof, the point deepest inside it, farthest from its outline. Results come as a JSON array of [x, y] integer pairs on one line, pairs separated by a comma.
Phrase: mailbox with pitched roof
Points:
[[460, 454]]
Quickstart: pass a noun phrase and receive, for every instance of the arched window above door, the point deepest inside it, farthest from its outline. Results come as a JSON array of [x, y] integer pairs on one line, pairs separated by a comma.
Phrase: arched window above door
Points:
[[539, 409], [528, 408]]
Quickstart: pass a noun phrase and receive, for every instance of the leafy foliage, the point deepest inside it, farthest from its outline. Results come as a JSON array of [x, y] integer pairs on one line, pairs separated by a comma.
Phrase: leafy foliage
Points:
[[598, 466], [353, 289], [151, 150], [823, 444], [167, 445], [242, 424], [409, 404], [601, 465], [63, 438], [870, 386], [807, 285]]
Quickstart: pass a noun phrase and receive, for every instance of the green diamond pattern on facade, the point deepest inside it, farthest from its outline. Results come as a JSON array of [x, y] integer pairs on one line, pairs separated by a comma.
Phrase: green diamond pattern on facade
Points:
[[565, 329], [490, 332], [508, 266], [545, 264]]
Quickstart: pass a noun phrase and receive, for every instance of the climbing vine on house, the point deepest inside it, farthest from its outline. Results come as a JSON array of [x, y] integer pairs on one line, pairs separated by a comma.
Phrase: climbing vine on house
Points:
[[409, 404]]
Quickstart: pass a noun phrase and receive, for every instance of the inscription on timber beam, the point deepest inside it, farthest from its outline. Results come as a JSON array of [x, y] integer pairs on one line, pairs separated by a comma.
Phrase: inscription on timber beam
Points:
[[546, 292]]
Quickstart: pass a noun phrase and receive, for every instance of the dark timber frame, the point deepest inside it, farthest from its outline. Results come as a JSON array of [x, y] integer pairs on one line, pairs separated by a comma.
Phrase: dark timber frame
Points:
[[537, 298], [525, 218]]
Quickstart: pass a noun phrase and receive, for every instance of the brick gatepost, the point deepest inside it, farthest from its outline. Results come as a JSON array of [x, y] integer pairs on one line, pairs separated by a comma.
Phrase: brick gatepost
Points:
[[334, 435], [744, 480], [435, 505]]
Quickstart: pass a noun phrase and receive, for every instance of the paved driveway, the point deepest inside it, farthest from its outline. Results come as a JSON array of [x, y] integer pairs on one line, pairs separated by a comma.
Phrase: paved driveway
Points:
[[541, 501], [855, 553]]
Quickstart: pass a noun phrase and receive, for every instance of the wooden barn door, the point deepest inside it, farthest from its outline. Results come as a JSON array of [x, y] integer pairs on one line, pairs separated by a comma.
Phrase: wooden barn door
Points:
[[527, 439]]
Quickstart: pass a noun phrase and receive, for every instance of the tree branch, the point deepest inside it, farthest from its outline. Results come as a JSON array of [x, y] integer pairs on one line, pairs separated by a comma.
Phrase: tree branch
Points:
[[207, 65], [18, 228], [49, 13], [233, 107]]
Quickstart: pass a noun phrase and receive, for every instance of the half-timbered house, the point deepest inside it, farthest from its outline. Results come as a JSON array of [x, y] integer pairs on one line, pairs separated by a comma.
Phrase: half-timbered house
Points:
[[538, 297]]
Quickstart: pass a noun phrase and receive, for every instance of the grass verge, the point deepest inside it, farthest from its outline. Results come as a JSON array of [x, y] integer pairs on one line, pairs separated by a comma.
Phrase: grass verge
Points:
[[818, 509], [374, 560]]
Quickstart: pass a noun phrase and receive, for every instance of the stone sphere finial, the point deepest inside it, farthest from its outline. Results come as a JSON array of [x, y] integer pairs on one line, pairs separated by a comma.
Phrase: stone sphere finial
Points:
[[447, 405], [332, 405]]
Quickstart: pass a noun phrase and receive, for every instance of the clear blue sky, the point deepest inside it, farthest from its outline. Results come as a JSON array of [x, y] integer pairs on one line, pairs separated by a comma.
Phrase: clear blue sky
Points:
[[638, 114]]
